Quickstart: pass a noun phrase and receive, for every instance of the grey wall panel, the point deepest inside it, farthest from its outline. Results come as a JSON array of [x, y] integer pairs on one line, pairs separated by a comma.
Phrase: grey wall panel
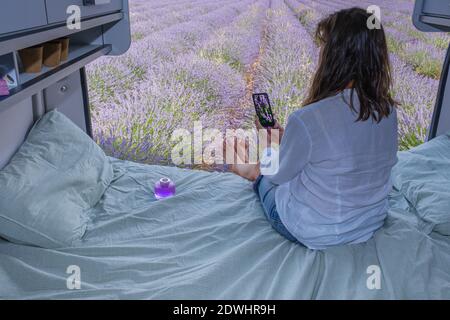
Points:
[[66, 95], [14, 126], [64, 87], [441, 115], [16, 15], [437, 7], [432, 15], [444, 118], [57, 9], [119, 34]]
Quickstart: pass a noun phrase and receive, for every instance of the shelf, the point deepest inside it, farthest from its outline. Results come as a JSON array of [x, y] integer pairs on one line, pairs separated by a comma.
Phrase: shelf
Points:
[[37, 36], [75, 51], [31, 84]]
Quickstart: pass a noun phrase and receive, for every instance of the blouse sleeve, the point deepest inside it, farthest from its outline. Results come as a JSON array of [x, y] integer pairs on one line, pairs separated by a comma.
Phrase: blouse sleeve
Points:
[[295, 151]]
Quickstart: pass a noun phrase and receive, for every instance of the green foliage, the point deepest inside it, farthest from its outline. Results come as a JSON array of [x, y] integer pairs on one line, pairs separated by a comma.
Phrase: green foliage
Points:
[[411, 139], [222, 56], [425, 65]]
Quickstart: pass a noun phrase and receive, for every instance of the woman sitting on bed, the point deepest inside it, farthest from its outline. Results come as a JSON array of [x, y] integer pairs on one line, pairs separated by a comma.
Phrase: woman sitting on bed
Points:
[[337, 152]]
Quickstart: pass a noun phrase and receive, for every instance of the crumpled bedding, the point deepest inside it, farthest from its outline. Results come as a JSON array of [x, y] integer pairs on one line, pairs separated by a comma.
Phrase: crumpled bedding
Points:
[[211, 241]]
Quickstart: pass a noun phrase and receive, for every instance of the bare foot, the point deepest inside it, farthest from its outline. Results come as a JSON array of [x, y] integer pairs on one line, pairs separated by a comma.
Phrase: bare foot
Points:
[[247, 171]]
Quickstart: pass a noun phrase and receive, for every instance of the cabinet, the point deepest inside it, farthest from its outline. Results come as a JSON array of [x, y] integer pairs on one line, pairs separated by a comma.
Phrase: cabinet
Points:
[[19, 15], [57, 9]]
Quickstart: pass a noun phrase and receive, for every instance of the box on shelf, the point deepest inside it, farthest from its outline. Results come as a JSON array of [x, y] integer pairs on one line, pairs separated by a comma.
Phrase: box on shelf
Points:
[[52, 53], [64, 48], [31, 59]]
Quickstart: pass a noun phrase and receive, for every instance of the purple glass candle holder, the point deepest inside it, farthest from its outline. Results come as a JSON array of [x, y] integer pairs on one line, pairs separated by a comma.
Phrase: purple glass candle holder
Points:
[[4, 91], [164, 188]]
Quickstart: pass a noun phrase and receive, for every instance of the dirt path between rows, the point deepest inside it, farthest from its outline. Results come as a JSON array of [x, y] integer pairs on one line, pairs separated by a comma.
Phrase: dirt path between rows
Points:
[[242, 114], [244, 111]]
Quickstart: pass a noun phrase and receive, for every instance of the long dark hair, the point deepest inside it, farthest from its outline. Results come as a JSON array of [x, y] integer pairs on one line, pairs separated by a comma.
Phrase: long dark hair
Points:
[[356, 55]]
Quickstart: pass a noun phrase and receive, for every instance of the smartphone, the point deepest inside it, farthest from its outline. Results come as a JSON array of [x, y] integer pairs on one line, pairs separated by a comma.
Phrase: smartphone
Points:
[[264, 109]]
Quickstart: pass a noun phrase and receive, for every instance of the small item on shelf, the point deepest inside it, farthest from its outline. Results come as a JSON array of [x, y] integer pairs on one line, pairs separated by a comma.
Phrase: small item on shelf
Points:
[[9, 80], [4, 90], [52, 53], [164, 188], [64, 48], [31, 59], [8, 73]]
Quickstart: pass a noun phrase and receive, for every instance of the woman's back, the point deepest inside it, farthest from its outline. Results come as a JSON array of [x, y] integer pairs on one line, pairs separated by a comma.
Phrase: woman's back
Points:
[[337, 152], [340, 195]]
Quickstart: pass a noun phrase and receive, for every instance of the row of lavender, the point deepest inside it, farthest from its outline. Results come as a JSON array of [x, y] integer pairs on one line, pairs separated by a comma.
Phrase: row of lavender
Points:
[[422, 51], [287, 61], [416, 63], [188, 68]]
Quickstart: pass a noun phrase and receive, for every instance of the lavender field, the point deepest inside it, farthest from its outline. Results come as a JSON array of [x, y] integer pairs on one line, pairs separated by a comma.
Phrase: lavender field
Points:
[[200, 60]]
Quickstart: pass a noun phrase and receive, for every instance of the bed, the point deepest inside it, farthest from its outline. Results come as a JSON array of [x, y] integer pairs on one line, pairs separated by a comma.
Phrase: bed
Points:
[[211, 241]]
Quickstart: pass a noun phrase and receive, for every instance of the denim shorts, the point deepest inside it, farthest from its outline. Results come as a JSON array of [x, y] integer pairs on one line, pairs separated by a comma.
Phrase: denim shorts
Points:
[[266, 192]]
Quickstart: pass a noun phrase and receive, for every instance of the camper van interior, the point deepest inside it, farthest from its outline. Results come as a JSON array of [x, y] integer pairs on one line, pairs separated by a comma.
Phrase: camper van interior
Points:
[[78, 221]]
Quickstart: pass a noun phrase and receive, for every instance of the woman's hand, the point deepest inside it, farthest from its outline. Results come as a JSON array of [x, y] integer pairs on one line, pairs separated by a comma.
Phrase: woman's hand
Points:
[[280, 129], [274, 134], [258, 124]]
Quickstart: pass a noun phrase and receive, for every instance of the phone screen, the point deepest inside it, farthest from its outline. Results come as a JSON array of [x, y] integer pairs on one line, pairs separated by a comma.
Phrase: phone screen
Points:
[[263, 109]]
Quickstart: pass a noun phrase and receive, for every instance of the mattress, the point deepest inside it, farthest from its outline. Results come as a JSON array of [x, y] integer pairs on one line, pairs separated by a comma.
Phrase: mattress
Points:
[[211, 241]]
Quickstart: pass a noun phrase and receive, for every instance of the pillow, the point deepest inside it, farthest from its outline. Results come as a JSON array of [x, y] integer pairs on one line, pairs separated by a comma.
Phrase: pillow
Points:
[[422, 175], [55, 177]]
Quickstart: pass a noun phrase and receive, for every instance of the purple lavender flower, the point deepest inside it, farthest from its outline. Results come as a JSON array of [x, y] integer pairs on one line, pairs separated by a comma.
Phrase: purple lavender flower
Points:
[[201, 60]]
